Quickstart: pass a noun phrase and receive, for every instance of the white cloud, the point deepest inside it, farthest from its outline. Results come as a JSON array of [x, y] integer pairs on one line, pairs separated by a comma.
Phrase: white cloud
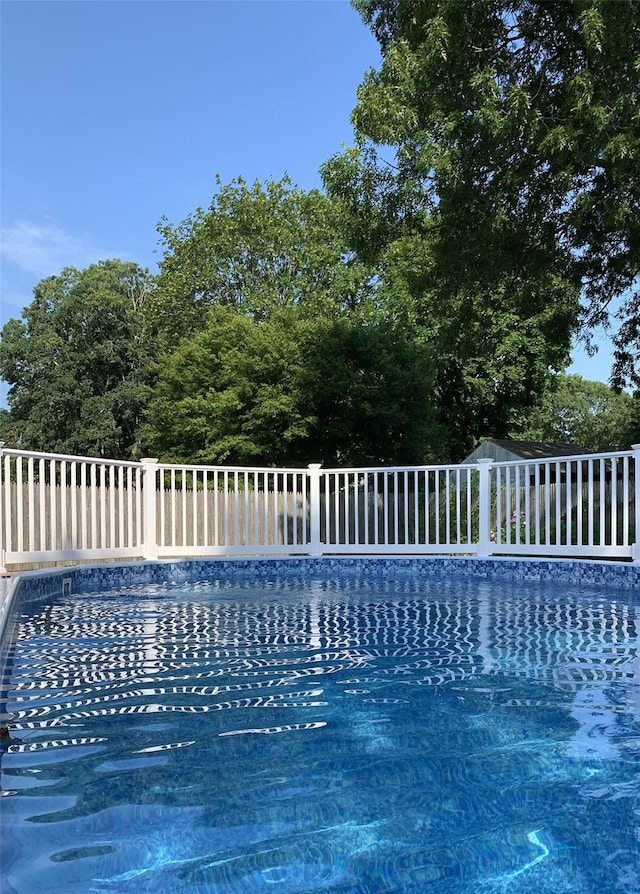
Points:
[[43, 250]]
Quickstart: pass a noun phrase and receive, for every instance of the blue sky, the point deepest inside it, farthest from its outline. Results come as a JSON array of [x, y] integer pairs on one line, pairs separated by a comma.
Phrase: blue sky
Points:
[[115, 113]]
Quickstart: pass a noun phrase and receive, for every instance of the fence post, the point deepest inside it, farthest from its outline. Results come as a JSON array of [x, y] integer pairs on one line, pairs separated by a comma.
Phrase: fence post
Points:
[[635, 547], [149, 511], [3, 485], [315, 544], [485, 546]]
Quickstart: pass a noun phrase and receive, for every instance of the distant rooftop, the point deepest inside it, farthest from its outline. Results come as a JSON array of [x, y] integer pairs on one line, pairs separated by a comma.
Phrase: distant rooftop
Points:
[[503, 449]]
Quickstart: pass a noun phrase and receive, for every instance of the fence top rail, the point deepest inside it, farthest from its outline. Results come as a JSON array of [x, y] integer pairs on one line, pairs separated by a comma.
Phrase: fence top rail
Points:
[[433, 467], [305, 470], [553, 460], [199, 467], [67, 457]]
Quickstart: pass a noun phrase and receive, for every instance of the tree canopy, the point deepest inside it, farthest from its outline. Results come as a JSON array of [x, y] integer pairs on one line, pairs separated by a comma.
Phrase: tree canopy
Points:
[[291, 390], [588, 414], [277, 348], [514, 137], [256, 249], [77, 363], [492, 346]]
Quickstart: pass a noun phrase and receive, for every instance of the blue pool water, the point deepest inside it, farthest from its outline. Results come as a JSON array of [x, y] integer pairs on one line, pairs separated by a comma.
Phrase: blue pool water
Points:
[[356, 736]]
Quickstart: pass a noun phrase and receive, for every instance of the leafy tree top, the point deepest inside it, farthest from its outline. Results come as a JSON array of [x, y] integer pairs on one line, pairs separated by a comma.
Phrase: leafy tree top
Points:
[[516, 126], [77, 363], [256, 249], [574, 410], [293, 389]]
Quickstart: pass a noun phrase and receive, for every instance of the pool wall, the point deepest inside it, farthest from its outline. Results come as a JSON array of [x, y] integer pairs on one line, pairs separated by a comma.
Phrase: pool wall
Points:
[[38, 585]]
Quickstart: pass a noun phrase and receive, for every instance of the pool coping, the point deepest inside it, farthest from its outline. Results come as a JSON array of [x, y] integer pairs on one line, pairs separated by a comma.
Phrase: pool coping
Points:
[[96, 577]]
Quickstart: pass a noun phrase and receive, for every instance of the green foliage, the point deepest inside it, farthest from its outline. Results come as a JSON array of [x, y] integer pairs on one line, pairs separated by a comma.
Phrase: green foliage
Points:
[[256, 249], [78, 363], [515, 135], [290, 390], [492, 347], [588, 414], [287, 354], [8, 431], [369, 390]]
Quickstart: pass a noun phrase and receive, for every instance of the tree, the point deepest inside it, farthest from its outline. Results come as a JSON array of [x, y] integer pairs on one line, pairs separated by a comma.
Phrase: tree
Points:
[[588, 414], [491, 346], [368, 387], [256, 249], [290, 390], [252, 292], [78, 362], [514, 130], [8, 433]]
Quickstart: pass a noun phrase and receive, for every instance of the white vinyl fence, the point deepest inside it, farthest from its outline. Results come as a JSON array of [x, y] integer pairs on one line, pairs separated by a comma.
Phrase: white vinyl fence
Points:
[[58, 508]]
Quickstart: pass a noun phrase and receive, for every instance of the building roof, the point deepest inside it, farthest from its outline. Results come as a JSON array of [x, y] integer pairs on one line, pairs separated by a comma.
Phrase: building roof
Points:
[[504, 449]]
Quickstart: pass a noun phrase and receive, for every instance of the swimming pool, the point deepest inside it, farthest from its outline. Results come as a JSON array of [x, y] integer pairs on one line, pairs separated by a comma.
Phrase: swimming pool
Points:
[[344, 731]]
